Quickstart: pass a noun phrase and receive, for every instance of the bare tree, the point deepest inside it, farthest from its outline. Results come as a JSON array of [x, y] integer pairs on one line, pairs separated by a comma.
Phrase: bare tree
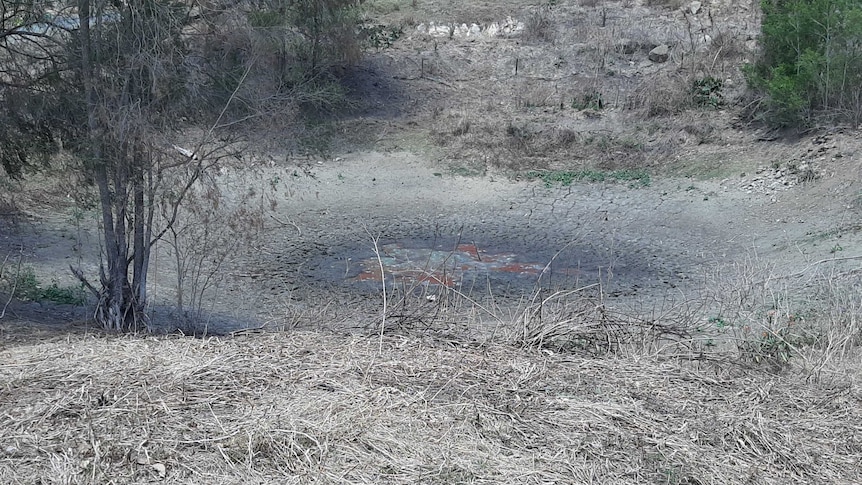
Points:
[[132, 89], [117, 84]]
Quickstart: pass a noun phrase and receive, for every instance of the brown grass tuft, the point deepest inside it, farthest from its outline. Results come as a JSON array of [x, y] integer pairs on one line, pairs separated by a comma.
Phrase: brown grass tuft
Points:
[[661, 95], [540, 26]]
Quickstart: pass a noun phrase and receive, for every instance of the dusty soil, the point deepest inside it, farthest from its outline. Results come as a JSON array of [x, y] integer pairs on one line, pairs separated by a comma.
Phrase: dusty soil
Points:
[[433, 167], [640, 242]]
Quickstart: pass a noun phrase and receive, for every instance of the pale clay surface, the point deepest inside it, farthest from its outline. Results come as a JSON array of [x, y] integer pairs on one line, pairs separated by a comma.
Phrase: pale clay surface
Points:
[[644, 242]]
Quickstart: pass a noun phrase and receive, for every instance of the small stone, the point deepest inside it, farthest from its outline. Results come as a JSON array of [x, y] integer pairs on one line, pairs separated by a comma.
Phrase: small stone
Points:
[[695, 7], [660, 54]]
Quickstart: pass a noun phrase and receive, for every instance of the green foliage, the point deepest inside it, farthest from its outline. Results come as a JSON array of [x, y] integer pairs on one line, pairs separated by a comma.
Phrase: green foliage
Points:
[[24, 144], [788, 102], [26, 286], [812, 61], [567, 177], [380, 36], [706, 92]]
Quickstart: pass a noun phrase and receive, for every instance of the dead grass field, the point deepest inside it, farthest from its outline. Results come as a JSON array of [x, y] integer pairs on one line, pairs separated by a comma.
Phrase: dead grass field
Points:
[[319, 408]]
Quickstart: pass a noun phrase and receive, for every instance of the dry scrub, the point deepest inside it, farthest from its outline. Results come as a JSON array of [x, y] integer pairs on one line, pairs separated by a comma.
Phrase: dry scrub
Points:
[[306, 407]]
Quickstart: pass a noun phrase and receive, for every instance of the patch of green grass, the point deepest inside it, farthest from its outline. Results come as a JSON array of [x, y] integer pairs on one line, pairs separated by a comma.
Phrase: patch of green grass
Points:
[[466, 172], [26, 286], [566, 177], [707, 92], [67, 295]]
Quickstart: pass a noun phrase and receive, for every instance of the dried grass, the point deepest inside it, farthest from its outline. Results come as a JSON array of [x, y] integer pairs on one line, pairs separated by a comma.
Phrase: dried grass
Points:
[[308, 407], [539, 26], [661, 95]]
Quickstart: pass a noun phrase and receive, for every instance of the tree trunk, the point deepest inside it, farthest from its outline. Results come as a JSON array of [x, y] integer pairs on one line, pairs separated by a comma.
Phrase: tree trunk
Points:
[[119, 307]]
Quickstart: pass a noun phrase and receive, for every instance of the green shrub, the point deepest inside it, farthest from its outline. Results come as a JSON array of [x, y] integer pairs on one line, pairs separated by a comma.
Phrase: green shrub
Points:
[[379, 36], [26, 286], [811, 64], [707, 92]]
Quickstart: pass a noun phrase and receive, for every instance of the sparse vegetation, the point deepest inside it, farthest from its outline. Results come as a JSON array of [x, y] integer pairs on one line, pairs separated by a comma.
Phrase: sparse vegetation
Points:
[[589, 100], [707, 92], [21, 282], [566, 177], [540, 26]]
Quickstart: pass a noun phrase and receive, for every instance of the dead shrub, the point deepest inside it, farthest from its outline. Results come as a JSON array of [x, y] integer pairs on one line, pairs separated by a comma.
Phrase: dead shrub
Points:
[[589, 98], [536, 95], [519, 137], [703, 131], [539, 26], [222, 221], [727, 45], [565, 137], [671, 4], [462, 128], [661, 95]]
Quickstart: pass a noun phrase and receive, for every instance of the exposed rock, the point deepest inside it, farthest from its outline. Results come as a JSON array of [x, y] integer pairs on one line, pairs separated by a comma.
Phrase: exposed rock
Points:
[[660, 53], [695, 7], [509, 27]]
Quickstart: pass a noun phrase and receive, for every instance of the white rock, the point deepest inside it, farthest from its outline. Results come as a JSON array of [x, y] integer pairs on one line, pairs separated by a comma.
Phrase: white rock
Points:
[[695, 7], [439, 31]]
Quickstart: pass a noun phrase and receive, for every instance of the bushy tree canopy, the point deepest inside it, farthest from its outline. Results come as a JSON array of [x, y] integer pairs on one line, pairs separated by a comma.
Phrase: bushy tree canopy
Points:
[[811, 64]]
